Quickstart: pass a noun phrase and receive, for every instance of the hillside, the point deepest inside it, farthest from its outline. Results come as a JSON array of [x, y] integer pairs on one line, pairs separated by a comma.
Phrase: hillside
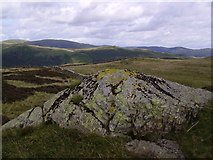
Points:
[[105, 54], [15, 41], [28, 55], [180, 51], [65, 44], [60, 44], [25, 55]]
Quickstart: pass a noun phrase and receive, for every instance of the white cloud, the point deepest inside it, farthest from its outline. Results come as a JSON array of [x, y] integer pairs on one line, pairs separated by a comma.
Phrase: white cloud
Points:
[[114, 23]]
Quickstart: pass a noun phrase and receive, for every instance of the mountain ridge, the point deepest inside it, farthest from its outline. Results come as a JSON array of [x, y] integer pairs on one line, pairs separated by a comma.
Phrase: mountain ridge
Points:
[[16, 41], [29, 55], [203, 52], [60, 44]]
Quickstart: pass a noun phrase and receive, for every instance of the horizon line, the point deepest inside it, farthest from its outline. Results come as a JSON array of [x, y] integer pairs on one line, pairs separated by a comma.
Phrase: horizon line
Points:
[[110, 45]]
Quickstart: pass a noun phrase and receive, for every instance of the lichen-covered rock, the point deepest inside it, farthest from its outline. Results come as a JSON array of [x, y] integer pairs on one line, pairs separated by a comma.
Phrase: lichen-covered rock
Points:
[[31, 117], [162, 149], [120, 102]]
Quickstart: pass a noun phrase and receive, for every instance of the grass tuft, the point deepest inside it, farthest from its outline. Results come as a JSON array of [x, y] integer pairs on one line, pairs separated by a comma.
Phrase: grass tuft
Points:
[[76, 99], [75, 83]]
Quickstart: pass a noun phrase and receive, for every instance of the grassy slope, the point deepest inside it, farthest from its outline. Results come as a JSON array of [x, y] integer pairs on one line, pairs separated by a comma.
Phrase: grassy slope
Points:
[[14, 109], [60, 44], [25, 55], [14, 41], [106, 54], [50, 141], [191, 72], [181, 51], [28, 55]]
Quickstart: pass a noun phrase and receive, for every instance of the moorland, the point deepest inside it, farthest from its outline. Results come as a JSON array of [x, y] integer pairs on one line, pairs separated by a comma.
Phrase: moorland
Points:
[[32, 78]]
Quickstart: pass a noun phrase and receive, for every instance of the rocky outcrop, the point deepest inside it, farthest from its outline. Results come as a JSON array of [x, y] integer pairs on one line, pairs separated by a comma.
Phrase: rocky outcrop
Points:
[[119, 102]]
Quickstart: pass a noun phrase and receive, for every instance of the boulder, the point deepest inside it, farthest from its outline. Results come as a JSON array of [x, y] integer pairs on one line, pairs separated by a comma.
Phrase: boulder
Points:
[[119, 102]]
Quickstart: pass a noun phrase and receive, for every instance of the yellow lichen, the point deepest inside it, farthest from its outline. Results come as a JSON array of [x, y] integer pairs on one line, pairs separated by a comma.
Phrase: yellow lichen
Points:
[[115, 78], [118, 89], [111, 109], [134, 74], [100, 75]]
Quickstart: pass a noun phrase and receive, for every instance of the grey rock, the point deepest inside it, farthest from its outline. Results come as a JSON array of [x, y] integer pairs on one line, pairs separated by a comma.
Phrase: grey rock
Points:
[[31, 117], [163, 149], [120, 102]]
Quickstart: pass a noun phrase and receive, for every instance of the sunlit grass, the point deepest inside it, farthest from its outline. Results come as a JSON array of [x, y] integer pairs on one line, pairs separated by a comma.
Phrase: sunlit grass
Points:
[[12, 110], [191, 72], [23, 84]]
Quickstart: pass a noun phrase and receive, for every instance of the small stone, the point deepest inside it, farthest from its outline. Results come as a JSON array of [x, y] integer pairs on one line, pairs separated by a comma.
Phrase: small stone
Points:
[[162, 149]]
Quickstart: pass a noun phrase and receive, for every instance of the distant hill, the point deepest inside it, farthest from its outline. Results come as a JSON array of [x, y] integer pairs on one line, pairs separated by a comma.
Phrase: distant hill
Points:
[[179, 51], [25, 55], [60, 44], [111, 53], [15, 41], [14, 55]]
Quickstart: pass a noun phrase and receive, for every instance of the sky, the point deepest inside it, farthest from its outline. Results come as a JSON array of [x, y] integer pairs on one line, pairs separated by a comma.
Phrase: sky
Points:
[[119, 23]]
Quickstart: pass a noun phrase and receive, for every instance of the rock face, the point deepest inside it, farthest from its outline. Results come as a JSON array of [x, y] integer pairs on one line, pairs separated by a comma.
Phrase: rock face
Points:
[[119, 102]]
